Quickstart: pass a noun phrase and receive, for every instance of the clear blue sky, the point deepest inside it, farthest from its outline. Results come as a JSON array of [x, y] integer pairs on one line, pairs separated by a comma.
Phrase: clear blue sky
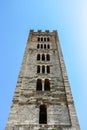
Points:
[[69, 17]]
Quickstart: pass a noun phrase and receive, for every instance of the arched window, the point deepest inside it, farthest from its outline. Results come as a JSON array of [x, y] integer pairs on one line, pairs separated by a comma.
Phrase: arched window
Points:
[[48, 57], [38, 39], [44, 46], [48, 39], [41, 45], [43, 57], [43, 69], [48, 46], [39, 84], [41, 38], [45, 39], [38, 57], [48, 69], [43, 115], [38, 46], [47, 85], [38, 69]]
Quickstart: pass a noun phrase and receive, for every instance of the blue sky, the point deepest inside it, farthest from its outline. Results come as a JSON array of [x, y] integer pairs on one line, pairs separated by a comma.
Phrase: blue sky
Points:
[[70, 19]]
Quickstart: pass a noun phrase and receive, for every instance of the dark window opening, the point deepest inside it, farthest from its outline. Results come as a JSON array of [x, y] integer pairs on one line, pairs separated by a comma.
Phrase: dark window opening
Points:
[[41, 38], [39, 84], [48, 57], [38, 69], [38, 46], [38, 39], [43, 57], [41, 45], [48, 39], [48, 46], [38, 57], [47, 85], [48, 69], [45, 39], [43, 115], [43, 69], [44, 46]]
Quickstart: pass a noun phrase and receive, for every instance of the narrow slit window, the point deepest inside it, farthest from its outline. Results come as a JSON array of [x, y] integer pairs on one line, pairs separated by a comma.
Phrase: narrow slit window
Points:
[[43, 57], [38, 69], [38, 46], [48, 57], [47, 85], [48, 46], [39, 85], [43, 115], [38, 57], [38, 39], [45, 39], [48, 39], [41, 38], [44, 46], [41, 46]]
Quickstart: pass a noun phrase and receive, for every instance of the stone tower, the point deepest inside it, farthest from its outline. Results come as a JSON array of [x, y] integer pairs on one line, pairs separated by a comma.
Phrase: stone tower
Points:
[[43, 99]]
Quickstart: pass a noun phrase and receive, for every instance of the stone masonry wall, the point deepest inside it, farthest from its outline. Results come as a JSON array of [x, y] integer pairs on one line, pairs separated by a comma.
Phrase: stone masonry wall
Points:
[[24, 113]]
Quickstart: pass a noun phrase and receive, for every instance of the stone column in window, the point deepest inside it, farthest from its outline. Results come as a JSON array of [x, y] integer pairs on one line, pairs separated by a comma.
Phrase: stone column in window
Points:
[[42, 85]]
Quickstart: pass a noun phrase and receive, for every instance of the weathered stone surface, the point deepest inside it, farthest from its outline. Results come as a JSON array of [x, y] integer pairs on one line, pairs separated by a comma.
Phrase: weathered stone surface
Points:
[[24, 113]]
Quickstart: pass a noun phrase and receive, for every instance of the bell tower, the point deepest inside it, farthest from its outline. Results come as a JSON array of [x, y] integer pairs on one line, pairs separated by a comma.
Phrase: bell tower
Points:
[[42, 98]]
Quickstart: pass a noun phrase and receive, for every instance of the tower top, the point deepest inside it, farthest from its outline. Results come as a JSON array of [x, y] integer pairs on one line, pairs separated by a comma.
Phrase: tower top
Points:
[[40, 31]]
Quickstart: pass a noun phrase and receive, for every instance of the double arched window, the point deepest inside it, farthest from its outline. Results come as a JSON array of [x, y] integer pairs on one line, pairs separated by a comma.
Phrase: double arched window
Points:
[[43, 86]]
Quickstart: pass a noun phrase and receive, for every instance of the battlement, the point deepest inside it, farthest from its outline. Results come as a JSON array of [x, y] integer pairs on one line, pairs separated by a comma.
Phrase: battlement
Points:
[[40, 31]]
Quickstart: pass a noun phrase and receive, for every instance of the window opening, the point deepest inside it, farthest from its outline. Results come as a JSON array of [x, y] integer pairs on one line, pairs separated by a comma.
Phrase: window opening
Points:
[[38, 69], [41, 38], [43, 114], [38, 39], [44, 46], [48, 57], [48, 46], [38, 57], [43, 57], [38, 46], [41, 45], [47, 85], [48, 39], [45, 39], [39, 84]]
